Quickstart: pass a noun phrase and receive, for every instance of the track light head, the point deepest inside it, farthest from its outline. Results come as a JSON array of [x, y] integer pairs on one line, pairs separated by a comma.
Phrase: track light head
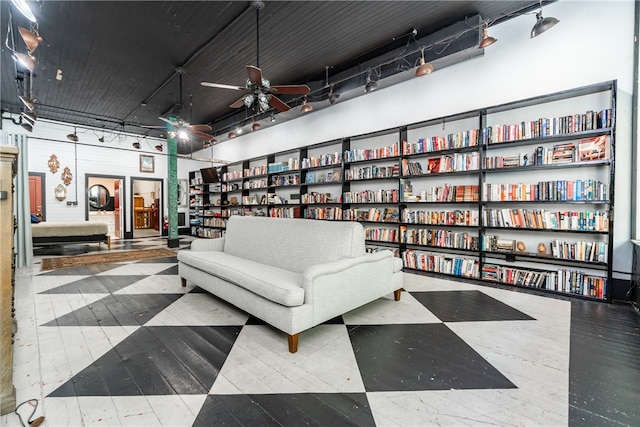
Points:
[[29, 116], [27, 126], [72, 137], [28, 102], [159, 148], [255, 126], [305, 107], [101, 139], [487, 40], [136, 145]]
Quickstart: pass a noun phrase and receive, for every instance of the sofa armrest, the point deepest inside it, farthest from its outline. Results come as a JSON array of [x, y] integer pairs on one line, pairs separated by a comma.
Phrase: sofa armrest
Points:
[[200, 245]]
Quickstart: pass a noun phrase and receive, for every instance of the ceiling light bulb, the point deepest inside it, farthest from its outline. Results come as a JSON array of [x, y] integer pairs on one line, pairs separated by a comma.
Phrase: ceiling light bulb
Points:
[[542, 24], [183, 135], [24, 8]]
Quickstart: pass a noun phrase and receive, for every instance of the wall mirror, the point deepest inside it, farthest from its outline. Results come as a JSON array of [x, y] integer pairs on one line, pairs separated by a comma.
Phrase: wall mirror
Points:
[[60, 192], [99, 196]]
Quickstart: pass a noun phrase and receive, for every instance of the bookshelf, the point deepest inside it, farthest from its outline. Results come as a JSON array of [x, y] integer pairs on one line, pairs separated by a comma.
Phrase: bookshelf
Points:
[[518, 194]]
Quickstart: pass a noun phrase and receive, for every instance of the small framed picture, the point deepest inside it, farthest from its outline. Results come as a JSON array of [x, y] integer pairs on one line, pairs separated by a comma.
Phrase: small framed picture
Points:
[[146, 163]]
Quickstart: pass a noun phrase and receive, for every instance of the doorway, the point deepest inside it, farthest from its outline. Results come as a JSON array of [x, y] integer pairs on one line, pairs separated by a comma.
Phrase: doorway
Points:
[[104, 202], [147, 203], [37, 188]]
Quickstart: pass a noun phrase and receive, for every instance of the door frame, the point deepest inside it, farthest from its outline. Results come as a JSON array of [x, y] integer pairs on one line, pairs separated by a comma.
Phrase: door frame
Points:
[[131, 234], [43, 177], [122, 178]]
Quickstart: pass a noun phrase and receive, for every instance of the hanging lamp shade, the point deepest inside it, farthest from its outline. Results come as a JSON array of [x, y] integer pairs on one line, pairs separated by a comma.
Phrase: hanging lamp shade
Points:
[[31, 40], [29, 116], [255, 127], [487, 40], [542, 24], [72, 137], [27, 126], [24, 8], [136, 145], [28, 102], [159, 147], [27, 60], [305, 107], [423, 67]]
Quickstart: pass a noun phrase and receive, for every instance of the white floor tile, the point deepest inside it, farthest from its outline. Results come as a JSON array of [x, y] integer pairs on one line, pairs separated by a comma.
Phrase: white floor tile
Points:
[[199, 309]]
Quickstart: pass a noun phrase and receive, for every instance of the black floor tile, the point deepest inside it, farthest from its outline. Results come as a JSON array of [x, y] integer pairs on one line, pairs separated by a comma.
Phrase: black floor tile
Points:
[[95, 285], [420, 357], [305, 409], [118, 309], [158, 360], [467, 306], [604, 368], [170, 271]]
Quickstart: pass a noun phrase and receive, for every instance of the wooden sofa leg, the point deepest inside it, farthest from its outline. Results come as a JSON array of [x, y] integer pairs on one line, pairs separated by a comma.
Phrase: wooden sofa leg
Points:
[[293, 343], [396, 294], [183, 282], [109, 242]]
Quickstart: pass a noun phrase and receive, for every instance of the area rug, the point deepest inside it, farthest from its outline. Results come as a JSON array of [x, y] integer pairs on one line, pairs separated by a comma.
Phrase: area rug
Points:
[[105, 258]]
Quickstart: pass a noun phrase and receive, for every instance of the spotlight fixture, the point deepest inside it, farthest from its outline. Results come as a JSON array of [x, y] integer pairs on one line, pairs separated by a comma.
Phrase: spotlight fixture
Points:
[[542, 24], [255, 126], [101, 139], [371, 85], [26, 60], [73, 136], [486, 39], [136, 145], [24, 8], [28, 102], [159, 147], [31, 39], [272, 118], [232, 135], [305, 107], [423, 67], [333, 97], [27, 126]]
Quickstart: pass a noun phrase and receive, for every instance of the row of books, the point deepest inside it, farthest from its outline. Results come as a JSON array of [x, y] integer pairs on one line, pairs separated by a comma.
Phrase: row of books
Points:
[[256, 170], [290, 165], [322, 176], [544, 127], [445, 193], [563, 280], [323, 213], [371, 172], [282, 212], [232, 175], [317, 197], [370, 249], [209, 233], [467, 138], [214, 222], [448, 217], [439, 263], [328, 159], [543, 219], [438, 237], [371, 196], [381, 234], [255, 183], [284, 180], [372, 215], [580, 251], [560, 190], [357, 155]]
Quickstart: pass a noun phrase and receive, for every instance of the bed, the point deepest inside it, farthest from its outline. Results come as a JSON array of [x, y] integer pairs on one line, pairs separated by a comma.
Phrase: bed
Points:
[[58, 233]]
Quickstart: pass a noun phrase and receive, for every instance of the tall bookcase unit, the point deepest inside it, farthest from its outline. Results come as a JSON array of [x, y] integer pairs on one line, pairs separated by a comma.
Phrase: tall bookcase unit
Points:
[[516, 194]]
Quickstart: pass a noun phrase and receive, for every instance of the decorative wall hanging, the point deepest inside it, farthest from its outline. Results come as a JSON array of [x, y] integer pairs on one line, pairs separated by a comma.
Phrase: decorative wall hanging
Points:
[[146, 163], [60, 192], [66, 176], [54, 164]]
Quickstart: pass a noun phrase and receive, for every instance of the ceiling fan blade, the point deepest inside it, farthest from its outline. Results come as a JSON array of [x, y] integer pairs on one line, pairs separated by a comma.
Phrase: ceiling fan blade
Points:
[[276, 103], [291, 89], [199, 127], [221, 86], [203, 135], [168, 121], [255, 75], [152, 127], [239, 103]]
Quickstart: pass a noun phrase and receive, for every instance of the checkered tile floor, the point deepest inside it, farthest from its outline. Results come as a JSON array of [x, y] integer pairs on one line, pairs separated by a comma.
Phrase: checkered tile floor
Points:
[[124, 344]]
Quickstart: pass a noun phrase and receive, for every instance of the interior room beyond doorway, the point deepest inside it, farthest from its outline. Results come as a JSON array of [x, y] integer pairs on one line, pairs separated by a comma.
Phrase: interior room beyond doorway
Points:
[[147, 194]]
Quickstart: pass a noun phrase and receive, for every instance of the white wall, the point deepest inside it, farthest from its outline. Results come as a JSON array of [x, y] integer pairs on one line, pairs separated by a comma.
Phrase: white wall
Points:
[[116, 157], [592, 43]]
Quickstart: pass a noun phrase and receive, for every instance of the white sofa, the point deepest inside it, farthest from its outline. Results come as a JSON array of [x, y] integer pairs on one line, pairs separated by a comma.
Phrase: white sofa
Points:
[[292, 273]]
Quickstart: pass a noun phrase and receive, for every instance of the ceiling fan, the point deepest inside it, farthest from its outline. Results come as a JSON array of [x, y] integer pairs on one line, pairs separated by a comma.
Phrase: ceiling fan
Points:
[[262, 94], [183, 128]]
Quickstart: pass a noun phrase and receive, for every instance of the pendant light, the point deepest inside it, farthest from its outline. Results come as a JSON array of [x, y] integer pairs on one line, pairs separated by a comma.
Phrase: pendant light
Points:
[[73, 136], [305, 107], [423, 67], [542, 24], [24, 8], [371, 84], [487, 40], [31, 39]]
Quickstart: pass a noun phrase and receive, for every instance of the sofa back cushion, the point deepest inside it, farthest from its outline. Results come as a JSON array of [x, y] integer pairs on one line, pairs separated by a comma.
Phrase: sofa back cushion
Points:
[[292, 244]]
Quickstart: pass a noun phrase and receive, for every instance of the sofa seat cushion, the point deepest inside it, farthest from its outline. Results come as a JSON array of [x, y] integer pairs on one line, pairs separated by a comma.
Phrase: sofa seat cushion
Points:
[[273, 283]]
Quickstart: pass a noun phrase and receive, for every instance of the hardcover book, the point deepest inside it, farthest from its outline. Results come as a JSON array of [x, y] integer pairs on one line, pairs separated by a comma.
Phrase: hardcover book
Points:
[[592, 148]]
